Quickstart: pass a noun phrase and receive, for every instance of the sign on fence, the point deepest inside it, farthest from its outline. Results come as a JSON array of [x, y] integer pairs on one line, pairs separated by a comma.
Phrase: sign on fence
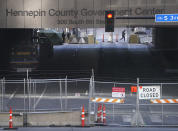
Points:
[[133, 89], [118, 92], [149, 92]]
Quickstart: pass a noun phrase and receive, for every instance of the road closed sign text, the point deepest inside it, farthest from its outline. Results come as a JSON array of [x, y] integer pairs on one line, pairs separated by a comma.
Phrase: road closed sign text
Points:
[[149, 92]]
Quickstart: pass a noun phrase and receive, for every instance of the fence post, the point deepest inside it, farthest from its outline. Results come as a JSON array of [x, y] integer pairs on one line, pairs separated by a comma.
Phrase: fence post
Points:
[[60, 85], [93, 87], [89, 106], [66, 93], [33, 95], [24, 94], [137, 104], [93, 82], [29, 95], [162, 115], [1, 97], [3, 92]]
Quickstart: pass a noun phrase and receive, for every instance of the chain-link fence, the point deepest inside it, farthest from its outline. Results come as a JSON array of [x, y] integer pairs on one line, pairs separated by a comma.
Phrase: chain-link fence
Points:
[[162, 111], [69, 95], [117, 113], [135, 111], [32, 95]]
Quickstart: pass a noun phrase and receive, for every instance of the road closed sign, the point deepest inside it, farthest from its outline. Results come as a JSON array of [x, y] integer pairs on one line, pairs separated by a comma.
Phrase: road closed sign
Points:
[[149, 92]]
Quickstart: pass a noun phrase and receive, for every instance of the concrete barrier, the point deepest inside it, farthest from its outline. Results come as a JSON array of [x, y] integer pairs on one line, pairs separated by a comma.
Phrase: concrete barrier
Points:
[[17, 119], [43, 119], [54, 119]]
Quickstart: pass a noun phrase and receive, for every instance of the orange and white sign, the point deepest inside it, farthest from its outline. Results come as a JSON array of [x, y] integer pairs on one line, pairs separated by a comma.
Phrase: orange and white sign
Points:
[[118, 92]]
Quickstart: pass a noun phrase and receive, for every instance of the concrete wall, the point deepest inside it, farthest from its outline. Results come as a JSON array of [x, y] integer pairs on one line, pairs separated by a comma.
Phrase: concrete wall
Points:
[[87, 11], [43, 119], [54, 119]]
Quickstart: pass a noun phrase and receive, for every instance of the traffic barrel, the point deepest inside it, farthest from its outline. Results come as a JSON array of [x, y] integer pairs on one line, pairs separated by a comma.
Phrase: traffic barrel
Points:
[[104, 114], [83, 117], [10, 118]]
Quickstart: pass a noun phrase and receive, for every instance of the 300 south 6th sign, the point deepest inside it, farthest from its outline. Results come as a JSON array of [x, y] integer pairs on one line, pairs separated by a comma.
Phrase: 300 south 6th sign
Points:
[[149, 92]]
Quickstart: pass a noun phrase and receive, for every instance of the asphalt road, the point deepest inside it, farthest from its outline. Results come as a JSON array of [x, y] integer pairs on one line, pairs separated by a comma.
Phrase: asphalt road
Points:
[[95, 129]]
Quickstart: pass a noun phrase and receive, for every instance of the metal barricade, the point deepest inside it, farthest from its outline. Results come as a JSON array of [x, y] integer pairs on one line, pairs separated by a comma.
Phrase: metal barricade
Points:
[[69, 95], [120, 111], [162, 111], [37, 95]]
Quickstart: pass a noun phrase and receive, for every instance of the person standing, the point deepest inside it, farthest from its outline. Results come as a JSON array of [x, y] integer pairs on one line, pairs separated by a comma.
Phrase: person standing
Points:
[[68, 35]]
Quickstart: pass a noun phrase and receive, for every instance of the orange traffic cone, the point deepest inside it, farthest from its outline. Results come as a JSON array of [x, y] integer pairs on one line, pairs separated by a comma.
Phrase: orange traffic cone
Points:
[[10, 118], [104, 114], [83, 117]]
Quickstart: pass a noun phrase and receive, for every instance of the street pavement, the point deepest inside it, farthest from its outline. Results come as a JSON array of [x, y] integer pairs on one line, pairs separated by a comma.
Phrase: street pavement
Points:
[[96, 129]]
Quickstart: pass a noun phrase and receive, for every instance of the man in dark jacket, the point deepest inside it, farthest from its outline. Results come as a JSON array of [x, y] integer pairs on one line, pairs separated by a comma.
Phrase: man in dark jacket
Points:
[[123, 35]]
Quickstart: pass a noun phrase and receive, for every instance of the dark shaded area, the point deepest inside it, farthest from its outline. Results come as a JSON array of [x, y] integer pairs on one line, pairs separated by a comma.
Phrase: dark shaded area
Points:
[[166, 38], [9, 38], [109, 63]]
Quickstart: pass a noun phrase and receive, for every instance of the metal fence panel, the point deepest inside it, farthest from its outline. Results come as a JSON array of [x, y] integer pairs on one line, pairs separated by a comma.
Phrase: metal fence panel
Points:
[[69, 95]]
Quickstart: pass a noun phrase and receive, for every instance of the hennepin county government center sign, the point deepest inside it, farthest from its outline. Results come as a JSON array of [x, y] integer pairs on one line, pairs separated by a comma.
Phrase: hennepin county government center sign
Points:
[[76, 13], [82, 12]]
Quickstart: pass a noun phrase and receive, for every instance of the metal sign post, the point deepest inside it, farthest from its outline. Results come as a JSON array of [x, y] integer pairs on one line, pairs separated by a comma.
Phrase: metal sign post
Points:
[[137, 104], [60, 86], [89, 106], [24, 94], [66, 93]]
